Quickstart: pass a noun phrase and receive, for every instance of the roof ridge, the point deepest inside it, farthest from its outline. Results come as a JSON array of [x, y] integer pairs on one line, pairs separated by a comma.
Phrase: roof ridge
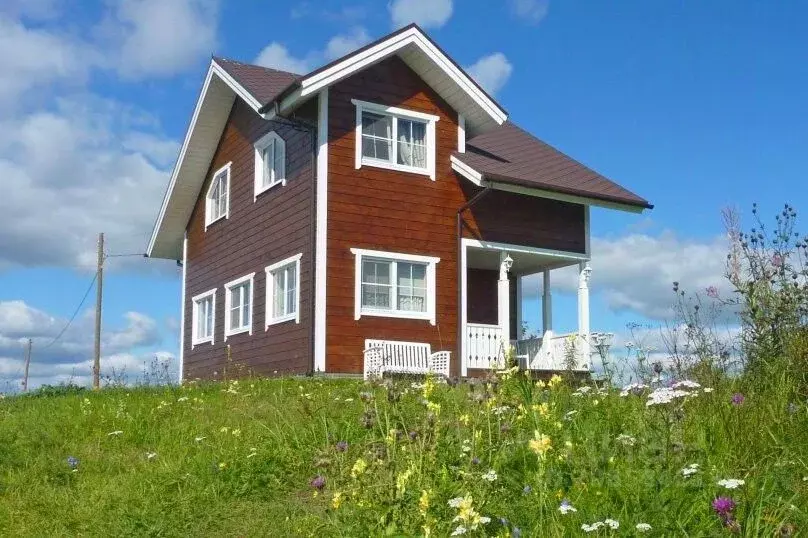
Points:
[[219, 59]]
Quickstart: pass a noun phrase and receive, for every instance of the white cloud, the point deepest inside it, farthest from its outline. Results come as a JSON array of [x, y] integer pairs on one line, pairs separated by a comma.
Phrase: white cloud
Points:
[[636, 272], [530, 11], [277, 56], [491, 71], [32, 9], [342, 44], [159, 37], [425, 13]]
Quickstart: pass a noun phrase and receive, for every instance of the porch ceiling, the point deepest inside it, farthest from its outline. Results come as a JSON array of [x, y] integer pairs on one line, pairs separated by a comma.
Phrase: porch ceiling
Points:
[[524, 262]]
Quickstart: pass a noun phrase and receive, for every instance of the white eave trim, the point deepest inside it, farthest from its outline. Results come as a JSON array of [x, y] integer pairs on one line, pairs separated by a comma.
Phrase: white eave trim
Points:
[[466, 171], [413, 36]]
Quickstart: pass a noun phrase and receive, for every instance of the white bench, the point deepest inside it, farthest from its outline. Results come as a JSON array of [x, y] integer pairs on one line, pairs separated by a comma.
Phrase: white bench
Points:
[[403, 358]]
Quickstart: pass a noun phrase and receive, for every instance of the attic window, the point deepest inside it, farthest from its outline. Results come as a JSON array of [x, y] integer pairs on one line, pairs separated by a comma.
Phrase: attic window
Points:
[[217, 200], [270, 162], [395, 138]]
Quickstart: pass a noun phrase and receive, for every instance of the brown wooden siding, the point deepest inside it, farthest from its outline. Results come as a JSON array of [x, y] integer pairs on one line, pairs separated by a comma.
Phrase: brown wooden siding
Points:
[[256, 234], [482, 302], [387, 210]]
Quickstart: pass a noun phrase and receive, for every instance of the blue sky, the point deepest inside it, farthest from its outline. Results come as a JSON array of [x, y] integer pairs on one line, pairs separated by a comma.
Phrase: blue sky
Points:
[[694, 106]]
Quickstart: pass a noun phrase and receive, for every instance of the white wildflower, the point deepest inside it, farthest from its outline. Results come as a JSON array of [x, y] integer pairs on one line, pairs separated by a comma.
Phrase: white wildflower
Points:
[[485, 520], [569, 414], [565, 507], [691, 469], [593, 527], [613, 524], [626, 440], [643, 527], [633, 387], [182, 399], [459, 530], [490, 476], [664, 395], [582, 390], [731, 483], [707, 389], [199, 439], [455, 503], [686, 384], [115, 433], [151, 455]]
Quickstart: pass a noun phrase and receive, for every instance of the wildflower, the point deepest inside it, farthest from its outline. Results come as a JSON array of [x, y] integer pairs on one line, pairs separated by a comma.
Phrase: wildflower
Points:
[[199, 439], [712, 292], [336, 500], [423, 502], [737, 399], [455, 502], [593, 527], [613, 524], [459, 530], [540, 444], [569, 414], [464, 419], [475, 461], [543, 409], [401, 482], [224, 429], [693, 468], [731, 483], [565, 507], [341, 446], [685, 384], [318, 482], [626, 440], [723, 506], [222, 466], [555, 380], [413, 435], [151, 455], [707, 389], [490, 476], [582, 390], [516, 532], [540, 384], [236, 433], [182, 399], [633, 388], [792, 408], [485, 520], [358, 468], [73, 463], [526, 490], [664, 395], [642, 527], [253, 453], [366, 396]]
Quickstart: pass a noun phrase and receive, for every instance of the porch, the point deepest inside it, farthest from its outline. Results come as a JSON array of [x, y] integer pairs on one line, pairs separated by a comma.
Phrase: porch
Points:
[[491, 309]]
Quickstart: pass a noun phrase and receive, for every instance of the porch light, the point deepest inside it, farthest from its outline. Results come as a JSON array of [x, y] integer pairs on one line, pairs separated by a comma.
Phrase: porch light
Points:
[[508, 262]]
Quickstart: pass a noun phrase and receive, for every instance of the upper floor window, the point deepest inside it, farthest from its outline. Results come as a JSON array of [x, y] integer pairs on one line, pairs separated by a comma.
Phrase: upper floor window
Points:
[[283, 291], [394, 285], [270, 162], [395, 138], [204, 317], [238, 306], [217, 200]]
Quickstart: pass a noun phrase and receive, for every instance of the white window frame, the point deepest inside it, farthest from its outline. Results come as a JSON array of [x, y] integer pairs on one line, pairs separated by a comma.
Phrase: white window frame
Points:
[[270, 291], [395, 112], [195, 300], [430, 261], [263, 143], [228, 304], [208, 202]]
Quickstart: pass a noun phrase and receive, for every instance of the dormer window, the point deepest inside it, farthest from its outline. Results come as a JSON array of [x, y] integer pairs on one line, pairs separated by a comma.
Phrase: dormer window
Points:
[[270, 162], [217, 200], [395, 138]]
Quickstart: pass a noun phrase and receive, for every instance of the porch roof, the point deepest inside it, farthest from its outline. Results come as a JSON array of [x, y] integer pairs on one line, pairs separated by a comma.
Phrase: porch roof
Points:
[[511, 155]]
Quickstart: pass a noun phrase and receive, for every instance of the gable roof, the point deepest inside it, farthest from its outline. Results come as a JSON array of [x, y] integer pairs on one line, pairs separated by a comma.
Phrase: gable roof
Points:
[[263, 83], [510, 155]]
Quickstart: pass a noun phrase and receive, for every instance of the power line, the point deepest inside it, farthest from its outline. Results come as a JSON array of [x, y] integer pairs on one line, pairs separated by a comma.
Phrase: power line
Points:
[[75, 313]]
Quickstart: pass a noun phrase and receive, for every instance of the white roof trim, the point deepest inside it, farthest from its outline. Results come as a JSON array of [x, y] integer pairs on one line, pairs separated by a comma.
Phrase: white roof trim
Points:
[[214, 70], [466, 171], [413, 36]]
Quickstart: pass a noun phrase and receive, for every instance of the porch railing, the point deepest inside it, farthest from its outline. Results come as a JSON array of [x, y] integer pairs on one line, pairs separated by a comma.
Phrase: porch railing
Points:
[[484, 347], [561, 352]]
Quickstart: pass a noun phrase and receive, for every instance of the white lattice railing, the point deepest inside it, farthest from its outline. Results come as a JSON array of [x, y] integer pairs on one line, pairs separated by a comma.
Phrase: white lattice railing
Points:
[[484, 346], [555, 351]]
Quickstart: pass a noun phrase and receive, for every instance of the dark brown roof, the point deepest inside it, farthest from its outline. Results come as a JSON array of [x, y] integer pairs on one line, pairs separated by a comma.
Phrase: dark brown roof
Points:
[[511, 155], [263, 83]]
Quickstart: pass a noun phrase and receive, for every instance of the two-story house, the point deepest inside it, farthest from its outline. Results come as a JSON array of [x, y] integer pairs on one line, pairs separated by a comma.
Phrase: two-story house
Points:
[[382, 200]]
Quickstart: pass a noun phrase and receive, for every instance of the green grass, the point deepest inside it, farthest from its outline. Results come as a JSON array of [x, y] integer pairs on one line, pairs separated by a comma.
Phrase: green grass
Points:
[[236, 459]]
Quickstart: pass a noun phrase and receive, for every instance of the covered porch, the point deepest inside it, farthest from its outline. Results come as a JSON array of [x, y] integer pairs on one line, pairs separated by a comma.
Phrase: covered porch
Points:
[[491, 309]]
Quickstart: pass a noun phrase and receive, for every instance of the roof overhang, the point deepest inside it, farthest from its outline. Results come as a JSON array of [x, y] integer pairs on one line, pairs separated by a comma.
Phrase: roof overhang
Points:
[[423, 56], [210, 115], [514, 185]]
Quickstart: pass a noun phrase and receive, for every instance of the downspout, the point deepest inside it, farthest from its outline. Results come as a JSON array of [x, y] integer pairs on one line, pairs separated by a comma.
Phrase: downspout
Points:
[[474, 199]]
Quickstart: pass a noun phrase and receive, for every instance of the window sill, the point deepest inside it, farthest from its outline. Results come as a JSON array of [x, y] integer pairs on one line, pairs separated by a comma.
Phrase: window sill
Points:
[[424, 316], [397, 167], [202, 341], [214, 221], [234, 332], [262, 190], [282, 319]]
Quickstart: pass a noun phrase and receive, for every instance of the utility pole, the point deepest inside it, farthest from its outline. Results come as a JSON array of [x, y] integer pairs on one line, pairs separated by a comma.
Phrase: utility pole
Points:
[[27, 364], [98, 291]]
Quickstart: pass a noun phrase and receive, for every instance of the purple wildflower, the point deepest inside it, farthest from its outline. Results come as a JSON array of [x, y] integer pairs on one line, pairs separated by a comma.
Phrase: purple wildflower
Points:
[[723, 506], [777, 260], [712, 292], [413, 435], [527, 489], [72, 462], [738, 398], [475, 460], [318, 482], [341, 446]]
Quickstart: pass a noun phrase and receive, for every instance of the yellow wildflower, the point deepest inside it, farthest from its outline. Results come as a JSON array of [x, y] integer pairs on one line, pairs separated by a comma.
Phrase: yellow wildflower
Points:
[[336, 501], [358, 468], [543, 409], [222, 466], [540, 384], [540, 444], [433, 407], [423, 502], [236, 432], [464, 419], [401, 482], [554, 381]]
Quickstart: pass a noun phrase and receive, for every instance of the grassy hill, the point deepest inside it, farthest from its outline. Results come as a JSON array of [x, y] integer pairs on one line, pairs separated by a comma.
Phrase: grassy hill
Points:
[[316, 457]]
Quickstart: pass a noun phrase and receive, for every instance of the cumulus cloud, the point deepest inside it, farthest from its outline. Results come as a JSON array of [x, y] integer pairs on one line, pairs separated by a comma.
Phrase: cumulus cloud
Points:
[[159, 37], [530, 11], [277, 56], [425, 13], [635, 272], [342, 44], [491, 71], [125, 344]]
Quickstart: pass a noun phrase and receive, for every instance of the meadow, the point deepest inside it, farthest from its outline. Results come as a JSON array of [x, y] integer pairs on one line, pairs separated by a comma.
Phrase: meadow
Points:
[[503, 456]]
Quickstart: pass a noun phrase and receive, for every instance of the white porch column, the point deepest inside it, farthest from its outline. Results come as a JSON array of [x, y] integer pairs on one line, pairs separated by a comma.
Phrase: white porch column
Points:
[[547, 304], [504, 299], [519, 320], [584, 272]]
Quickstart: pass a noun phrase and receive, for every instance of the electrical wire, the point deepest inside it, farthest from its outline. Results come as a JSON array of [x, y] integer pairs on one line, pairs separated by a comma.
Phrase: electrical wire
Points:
[[75, 313]]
